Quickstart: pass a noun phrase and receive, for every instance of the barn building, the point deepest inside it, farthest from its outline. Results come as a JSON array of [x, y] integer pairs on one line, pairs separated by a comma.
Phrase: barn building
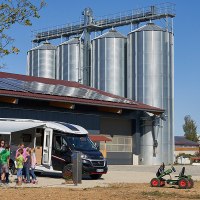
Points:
[[122, 120]]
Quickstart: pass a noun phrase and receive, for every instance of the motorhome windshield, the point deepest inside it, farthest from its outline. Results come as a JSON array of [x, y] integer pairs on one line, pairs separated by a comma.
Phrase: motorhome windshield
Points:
[[80, 142]]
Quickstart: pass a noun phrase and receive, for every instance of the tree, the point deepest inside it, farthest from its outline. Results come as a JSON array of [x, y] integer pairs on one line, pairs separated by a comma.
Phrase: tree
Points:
[[190, 129], [15, 12]]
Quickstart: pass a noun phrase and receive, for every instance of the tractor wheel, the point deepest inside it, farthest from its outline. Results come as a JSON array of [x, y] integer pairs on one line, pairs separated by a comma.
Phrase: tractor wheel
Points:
[[183, 183], [190, 183], [155, 182], [162, 183]]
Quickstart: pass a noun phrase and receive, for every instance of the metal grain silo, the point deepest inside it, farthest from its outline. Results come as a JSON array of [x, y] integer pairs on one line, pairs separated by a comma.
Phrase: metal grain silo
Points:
[[108, 58], [150, 75], [42, 61], [70, 60]]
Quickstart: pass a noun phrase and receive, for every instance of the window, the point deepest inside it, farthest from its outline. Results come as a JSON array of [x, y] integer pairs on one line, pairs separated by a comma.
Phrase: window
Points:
[[59, 142], [119, 144]]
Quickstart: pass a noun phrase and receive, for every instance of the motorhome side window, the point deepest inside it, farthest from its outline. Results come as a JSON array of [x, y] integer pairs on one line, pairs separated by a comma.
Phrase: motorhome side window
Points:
[[47, 141], [59, 142]]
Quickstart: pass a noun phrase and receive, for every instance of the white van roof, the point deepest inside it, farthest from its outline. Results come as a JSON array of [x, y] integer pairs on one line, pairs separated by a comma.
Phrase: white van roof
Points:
[[10, 125]]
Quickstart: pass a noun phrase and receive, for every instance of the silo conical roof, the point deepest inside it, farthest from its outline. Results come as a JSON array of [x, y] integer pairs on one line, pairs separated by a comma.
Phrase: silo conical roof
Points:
[[74, 40], [149, 27], [45, 46], [111, 34]]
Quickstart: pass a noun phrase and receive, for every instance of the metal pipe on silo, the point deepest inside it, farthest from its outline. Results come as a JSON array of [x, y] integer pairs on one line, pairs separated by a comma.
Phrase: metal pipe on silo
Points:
[[88, 20], [150, 71]]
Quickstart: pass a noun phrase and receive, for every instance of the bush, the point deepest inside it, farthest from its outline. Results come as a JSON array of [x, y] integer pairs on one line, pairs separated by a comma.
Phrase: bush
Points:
[[184, 155]]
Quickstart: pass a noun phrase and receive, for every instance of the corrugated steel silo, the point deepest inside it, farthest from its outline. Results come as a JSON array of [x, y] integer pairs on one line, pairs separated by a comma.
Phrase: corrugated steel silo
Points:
[[70, 60], [42, 61], [108, 58], [150, 71]]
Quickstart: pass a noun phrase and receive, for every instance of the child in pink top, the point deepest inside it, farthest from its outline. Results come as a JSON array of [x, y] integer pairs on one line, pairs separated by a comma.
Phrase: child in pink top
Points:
[[21, 146]]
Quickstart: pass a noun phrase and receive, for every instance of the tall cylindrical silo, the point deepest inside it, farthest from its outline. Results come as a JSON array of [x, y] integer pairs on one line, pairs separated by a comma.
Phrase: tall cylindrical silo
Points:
[[70, 60], [42, 61], [108, 63], [150, 76]]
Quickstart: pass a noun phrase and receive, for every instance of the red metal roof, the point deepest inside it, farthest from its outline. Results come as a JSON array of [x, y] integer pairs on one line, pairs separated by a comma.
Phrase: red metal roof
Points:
[[120, 105], [99, 138]]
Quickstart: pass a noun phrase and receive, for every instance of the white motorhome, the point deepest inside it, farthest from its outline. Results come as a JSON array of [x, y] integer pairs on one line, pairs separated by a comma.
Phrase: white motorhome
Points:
[[54, 143]]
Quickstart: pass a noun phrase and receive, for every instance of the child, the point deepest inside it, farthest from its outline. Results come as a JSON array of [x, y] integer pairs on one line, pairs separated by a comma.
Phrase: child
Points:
[[33, 164], [27, 165], [19, 162], [21, 146]]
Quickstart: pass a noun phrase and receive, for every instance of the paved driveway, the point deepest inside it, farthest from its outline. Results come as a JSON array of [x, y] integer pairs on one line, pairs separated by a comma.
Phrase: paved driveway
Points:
[[116, 174]]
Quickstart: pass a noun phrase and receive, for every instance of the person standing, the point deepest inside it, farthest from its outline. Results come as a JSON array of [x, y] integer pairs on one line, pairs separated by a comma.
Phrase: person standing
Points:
[[4, 160], [21, 146], [33, 164], [2, 147], [19, 163], [27, 165]]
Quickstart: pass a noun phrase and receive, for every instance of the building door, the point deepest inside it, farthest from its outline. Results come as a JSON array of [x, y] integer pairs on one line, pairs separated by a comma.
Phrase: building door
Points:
[[47, 147], [120, 149]]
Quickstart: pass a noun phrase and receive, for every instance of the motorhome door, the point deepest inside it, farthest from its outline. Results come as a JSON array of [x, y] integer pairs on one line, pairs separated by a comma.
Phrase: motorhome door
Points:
[[47, 146]]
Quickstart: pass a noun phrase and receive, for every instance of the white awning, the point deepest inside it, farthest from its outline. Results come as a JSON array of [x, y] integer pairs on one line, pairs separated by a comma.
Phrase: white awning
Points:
[[8, 127]]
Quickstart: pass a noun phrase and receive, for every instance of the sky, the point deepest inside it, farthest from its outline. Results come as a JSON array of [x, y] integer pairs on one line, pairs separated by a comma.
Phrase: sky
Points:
[[186, 44]]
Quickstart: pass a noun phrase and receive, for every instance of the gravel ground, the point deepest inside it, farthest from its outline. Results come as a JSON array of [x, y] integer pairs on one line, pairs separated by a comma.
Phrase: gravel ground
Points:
[[125, 191]]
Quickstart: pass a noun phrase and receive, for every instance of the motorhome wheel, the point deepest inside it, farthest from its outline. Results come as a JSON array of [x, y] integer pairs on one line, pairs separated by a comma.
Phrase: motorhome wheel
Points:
[[67, 172], [95, 176]]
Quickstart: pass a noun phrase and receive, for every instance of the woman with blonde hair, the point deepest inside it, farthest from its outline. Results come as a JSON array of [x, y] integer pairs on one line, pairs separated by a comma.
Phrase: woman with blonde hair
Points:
[[33, 164]]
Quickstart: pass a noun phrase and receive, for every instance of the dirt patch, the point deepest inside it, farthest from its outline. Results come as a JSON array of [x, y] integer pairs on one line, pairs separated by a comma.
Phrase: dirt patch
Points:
[[113, 192]]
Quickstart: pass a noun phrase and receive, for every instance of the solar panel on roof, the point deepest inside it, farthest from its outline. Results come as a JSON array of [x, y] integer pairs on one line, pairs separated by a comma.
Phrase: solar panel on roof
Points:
[[59, 90], [11, 84]]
